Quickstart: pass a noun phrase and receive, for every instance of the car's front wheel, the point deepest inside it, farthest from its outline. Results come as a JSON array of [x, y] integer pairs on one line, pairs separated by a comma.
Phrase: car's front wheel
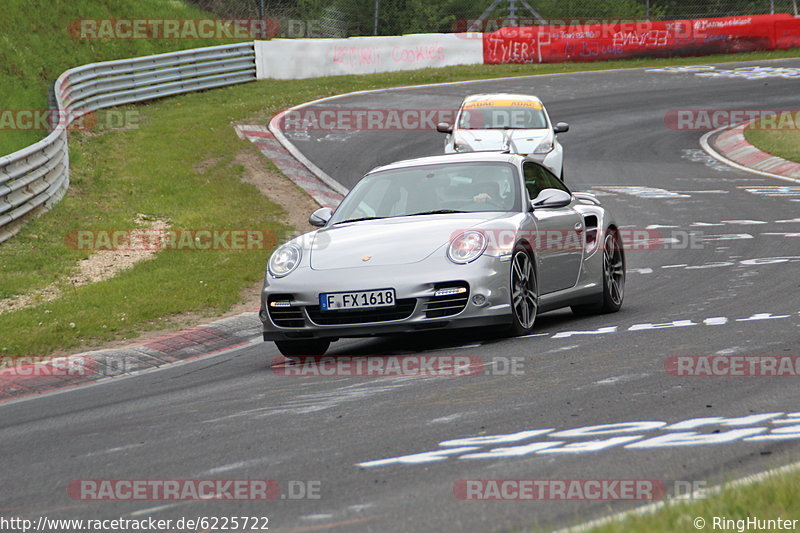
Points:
[[613, 278], [303, 347], [524, 293]]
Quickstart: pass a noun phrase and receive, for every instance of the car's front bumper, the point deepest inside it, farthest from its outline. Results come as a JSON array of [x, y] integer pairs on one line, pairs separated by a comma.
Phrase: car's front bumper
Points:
[[415, 285]]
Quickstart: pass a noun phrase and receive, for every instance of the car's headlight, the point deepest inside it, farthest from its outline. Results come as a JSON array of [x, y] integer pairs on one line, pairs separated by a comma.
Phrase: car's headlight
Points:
[[466, 247], [461, 147], [284, 260], [545, 147]]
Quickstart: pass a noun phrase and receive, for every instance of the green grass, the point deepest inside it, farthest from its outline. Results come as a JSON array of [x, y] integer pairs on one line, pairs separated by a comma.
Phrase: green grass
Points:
[[36, 47], [115, 176], [775, 497], [783, 143], [153, 170]]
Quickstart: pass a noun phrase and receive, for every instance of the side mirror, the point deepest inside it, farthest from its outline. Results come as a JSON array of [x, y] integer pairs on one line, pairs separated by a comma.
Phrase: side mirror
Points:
[[561, 127], [320, 217], [551, 198], [444, 127]]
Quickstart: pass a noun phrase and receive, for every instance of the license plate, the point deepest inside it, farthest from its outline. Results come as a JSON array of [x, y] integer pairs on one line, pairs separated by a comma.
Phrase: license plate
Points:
[[332, 301]]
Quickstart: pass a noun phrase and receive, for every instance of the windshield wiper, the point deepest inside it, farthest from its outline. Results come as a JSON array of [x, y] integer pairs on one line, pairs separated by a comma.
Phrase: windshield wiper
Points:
[[436, 212], [514, 128], [358, 219]]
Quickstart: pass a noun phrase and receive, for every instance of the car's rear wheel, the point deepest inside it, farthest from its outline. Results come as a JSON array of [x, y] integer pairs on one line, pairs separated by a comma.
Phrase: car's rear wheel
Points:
[[613, 278], [303, 347], [524, 293]]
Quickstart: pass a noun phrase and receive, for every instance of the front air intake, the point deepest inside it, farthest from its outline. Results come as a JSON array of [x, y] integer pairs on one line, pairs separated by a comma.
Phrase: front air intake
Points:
[[448, 299]]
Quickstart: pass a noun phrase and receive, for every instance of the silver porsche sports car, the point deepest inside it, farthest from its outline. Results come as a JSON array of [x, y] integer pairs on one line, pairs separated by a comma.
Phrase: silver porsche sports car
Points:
[[454, 241]]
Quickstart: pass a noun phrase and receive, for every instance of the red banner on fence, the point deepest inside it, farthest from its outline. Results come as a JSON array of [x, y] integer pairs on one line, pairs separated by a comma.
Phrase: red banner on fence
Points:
[[787, 34], [625, 40]]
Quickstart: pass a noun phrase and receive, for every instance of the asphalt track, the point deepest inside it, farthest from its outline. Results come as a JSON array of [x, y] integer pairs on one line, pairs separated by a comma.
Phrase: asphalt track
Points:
[[231, 416]]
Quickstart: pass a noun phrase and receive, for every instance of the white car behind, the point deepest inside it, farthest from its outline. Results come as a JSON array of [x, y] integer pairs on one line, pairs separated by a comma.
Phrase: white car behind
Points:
[[516, 123]]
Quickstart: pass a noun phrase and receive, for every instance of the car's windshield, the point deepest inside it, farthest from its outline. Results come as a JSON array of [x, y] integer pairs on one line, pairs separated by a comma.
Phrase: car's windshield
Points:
[[502, 115], [432, 189]]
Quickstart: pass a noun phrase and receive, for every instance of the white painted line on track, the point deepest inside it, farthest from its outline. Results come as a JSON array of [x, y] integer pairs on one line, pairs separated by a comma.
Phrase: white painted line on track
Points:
[[475, 345], [446, 419], [112, 450], [233, 466], [156, 509], [315, 517]]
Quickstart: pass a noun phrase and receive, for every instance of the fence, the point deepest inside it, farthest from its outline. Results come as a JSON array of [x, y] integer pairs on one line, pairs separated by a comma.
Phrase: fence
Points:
[[348, 18], [596, 42], [36, 177]]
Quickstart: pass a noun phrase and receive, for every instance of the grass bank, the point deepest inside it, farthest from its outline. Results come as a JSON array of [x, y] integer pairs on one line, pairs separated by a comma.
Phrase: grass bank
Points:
[[36, 46], [783, 143], [776, 497]]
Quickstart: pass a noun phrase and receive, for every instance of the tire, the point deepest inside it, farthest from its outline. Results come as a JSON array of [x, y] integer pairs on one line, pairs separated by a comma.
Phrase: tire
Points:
[[524, 294], [304, 347], [613, 278]]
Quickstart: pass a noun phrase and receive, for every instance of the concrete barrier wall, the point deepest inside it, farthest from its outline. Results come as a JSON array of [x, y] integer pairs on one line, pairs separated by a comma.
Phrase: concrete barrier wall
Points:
[[311, 58]]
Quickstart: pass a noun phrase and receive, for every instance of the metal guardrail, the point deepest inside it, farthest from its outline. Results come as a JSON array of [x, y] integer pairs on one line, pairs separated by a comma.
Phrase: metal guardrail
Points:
[[36, 177]]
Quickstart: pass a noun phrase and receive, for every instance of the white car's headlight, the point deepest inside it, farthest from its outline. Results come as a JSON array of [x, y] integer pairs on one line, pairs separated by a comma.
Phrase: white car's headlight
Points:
[[459, 146], [545, 147], [284, 260], [466, 247]]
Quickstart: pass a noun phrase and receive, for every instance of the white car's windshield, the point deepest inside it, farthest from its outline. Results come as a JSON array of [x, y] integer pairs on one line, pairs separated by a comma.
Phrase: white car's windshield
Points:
[[501, 117], [432, 189]]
